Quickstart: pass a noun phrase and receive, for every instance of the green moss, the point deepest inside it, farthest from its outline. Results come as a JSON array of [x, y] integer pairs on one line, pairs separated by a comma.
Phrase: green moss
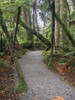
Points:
[[39, 46], [41, 37], [21, 87], [68, 54], [46, 55], [66, 29], [50, 66], [19, 53], [1, 53], [43, 53], [27, 45], [46, 59], [22, 42]]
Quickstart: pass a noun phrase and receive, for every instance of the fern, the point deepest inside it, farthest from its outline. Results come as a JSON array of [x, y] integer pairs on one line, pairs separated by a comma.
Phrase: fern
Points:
[[3, 64], [1, 53], [69, 54], [72, 16], [8, 6]]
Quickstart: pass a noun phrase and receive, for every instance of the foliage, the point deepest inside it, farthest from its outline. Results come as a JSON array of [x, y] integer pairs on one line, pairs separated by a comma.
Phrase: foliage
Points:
[[1, 53], [68, 54], [20, 87], [47, 56], [19, 53], [22, 35], [3, 64], [25, 32]]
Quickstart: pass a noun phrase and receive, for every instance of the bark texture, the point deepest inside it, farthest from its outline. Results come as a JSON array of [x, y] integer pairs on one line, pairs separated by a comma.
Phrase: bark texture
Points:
[[12, 51], [64, 18], [72, 23], [57, 29], [31, 31], [27, 18], [65, 27]]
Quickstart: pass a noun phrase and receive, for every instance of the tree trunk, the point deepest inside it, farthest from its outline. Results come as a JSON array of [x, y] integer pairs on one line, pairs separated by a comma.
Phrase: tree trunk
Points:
[[64, 18], [27, 17], [30, 21], [12, 26], [37, 29], [33, 17], [73, 2], [57, 29], [1, 43], [12, 51], [18, 18], [31, 31], [64, 27], [53, 31]]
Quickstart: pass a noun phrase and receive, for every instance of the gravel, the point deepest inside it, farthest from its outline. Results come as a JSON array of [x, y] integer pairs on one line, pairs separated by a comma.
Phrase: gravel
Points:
[[42, 83]]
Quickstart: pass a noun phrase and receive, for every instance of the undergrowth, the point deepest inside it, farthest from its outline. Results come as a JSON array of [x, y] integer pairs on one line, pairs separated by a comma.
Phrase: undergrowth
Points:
[[59, 56], [63, 64], [20, 52], [21, 84]]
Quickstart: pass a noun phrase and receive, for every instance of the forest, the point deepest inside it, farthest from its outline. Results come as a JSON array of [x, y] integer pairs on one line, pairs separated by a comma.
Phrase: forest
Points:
[[28, 27]]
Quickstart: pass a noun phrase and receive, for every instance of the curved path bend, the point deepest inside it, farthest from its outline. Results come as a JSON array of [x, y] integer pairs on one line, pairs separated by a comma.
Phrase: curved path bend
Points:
[[42, 83]]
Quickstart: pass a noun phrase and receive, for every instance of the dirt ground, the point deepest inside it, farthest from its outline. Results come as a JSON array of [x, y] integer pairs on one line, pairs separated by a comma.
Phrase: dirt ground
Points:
[[66, 70], [7, 79]]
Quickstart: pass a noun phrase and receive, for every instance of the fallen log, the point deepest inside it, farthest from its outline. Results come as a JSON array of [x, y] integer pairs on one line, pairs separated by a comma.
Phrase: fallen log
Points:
[[42, 38], [27, 45]]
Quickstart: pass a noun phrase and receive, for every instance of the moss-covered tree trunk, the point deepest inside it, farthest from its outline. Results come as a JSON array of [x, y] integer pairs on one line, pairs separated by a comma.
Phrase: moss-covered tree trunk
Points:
[[12, 51], [31, 31], [73, 2], [57, 28], [18, 18], [1, 42], [37, 29], [64, 27], [27, 17], [64, 18]]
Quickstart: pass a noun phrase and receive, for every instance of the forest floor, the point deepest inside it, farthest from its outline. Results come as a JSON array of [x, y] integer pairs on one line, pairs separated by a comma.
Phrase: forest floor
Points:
[[63, 63], [7, 79], [43, 84]]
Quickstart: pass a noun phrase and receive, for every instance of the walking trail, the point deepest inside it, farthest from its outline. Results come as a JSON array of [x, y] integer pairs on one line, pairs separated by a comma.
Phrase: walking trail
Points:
[[42, 83]]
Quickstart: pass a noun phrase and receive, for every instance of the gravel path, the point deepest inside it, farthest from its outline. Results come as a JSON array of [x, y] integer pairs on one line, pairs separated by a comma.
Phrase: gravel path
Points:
[[42, 83]]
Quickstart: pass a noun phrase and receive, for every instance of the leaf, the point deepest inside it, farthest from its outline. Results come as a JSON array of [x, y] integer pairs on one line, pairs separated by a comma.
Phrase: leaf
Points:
[[58, 98], [41, 96], [35, 98], [23, 93]]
